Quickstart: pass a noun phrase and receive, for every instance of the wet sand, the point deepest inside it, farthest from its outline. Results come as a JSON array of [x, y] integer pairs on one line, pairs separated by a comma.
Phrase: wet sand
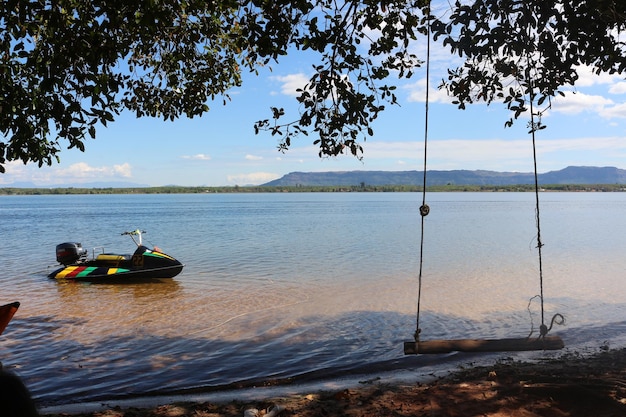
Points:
[[571, 385]]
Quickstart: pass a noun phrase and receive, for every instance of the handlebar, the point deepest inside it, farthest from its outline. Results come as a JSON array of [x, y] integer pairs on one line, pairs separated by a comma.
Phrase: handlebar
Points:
[[134, 233]]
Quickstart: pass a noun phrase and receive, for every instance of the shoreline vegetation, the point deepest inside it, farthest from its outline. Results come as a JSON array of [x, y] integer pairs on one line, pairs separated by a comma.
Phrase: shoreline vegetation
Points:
[[173, 189], [572, 385]]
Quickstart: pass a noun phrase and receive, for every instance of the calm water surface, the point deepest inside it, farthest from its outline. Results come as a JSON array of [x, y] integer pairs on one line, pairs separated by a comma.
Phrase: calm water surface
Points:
[[295, 285]]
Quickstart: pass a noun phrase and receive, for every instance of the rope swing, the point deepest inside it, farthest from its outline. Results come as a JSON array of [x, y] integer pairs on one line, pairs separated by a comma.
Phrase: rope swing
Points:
[[557, 318], [424, 208], [543, 342]]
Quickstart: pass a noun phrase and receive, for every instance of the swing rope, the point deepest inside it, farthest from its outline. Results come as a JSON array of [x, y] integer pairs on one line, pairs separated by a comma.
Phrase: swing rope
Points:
[[557, 318], [424, 209], [542, 329]]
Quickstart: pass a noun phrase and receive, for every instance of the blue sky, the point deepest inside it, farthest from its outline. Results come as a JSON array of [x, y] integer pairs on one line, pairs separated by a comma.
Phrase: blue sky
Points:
[[221, 149]]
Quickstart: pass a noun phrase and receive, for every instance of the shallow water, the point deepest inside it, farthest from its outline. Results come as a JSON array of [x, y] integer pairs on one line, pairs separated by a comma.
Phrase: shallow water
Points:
[[298, 285]]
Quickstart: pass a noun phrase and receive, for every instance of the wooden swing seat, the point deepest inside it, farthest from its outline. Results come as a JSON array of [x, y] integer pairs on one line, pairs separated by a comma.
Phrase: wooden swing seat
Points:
[[483, 345]]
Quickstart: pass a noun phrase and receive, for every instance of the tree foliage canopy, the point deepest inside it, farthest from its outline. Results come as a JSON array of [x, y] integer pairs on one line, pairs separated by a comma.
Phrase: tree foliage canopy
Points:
[[518, 49], [68, 66]]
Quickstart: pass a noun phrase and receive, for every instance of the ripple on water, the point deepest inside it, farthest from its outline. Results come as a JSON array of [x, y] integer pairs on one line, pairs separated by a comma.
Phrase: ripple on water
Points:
[[288, 286]]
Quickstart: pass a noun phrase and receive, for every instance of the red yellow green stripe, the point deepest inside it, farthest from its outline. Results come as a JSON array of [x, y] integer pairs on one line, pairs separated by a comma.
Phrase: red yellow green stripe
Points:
[[69, 272], [157, 255], [86, 271]]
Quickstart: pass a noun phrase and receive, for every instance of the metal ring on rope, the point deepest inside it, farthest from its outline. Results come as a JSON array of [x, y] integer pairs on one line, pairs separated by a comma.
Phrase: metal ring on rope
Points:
[[557, 318], [424, 210]]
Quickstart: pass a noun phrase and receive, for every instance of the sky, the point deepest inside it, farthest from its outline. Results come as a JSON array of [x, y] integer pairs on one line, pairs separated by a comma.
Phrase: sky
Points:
[[585, 128]]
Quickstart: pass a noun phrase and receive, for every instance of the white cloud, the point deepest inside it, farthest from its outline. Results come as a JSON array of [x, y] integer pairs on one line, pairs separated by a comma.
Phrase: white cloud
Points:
[[417, 92], [402, 151], [290, 83], [587, 77], [75, 173], [509, 155], [123, 170], [82, 170], [15, 171], [197, 157], [499, 154], [253, 157], [617, 111], [590, 144], [618, 88], [589, 95], [575, 103], [254, 178]]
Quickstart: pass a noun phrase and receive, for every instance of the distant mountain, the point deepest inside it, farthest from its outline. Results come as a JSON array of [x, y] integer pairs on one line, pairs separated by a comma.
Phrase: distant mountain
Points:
[[569, 175]]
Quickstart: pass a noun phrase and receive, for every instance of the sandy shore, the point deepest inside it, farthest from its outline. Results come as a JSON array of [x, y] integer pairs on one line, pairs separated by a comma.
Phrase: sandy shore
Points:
[[573, 385]]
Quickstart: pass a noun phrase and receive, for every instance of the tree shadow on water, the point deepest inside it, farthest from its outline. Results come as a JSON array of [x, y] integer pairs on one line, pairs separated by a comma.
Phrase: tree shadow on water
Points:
[[62, 371]]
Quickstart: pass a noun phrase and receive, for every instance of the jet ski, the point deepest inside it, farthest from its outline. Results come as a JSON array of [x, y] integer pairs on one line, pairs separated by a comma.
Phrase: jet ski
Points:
[[143, 264]]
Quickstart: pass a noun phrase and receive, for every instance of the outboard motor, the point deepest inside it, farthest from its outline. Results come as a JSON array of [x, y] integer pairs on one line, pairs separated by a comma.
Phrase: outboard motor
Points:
[[70, 252]]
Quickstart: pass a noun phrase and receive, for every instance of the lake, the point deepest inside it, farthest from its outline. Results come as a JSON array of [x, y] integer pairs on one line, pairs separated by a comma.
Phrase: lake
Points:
[[303, 286]]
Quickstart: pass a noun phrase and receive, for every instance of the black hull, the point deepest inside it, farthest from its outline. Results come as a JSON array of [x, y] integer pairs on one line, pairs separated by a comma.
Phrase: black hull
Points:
[[129, 276]]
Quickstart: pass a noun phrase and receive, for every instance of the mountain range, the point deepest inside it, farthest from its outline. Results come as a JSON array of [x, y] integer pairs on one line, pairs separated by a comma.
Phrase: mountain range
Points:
[[569, 175]]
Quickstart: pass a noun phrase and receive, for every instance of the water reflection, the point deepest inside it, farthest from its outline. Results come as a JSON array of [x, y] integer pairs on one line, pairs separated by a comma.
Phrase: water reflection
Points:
[[155, 288]]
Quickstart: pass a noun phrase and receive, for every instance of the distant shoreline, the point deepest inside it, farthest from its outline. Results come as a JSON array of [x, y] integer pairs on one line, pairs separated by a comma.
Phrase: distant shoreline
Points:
[[313, 189]]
